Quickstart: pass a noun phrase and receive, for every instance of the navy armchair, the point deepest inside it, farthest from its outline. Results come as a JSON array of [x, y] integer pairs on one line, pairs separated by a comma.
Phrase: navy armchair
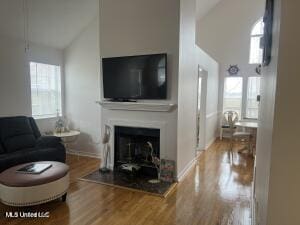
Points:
[[21, 142]]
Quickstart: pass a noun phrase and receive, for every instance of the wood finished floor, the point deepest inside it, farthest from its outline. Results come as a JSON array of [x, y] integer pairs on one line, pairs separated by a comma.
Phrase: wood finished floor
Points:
[[215, 192]]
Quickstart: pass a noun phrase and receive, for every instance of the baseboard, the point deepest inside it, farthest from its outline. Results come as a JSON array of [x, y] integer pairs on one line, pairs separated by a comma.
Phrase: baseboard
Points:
[[186, 170], [85, 154], [253, 212], [207, 146]]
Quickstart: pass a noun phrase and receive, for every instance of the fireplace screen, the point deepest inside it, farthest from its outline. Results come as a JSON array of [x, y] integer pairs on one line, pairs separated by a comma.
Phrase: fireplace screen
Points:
[[136, 146]]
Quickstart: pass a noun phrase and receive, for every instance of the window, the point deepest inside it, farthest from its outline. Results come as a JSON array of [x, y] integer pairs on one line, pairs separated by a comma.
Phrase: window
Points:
[[253, 90], [233, 94], [243, 101], [256, 53], [45, 90]]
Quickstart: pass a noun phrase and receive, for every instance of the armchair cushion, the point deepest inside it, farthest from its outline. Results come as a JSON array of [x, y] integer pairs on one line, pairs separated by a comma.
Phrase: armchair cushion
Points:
[[48, 142], [16, 133], [34, 127]]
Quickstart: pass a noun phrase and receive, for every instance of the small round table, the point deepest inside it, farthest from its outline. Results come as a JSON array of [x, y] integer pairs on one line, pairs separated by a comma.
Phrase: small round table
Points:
[[246, 124], [67, 137]]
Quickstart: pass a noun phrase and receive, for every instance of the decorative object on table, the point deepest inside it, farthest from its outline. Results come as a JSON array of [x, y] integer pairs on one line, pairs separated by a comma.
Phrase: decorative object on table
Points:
[[106, 148], [233, 70], [266, 42], [167, 168], [61, 125], [258, 69]]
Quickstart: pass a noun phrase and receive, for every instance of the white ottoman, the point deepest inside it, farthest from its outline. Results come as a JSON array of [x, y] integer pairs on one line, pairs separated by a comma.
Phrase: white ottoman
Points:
[[18, 189]]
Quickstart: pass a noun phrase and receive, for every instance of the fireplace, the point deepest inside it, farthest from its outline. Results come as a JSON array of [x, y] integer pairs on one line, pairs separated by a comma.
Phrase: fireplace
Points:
[[137, 146]]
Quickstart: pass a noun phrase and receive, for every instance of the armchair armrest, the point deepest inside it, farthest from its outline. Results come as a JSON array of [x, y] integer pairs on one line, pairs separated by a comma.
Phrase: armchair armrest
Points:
[[48, 141]]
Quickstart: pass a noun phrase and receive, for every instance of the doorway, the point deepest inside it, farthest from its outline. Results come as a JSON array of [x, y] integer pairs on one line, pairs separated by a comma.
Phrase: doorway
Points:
[[201, 108]]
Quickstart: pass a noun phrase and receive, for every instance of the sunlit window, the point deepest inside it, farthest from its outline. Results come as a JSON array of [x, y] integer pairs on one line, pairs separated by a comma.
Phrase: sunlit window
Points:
[[253, 90], [233, 94], [45, 90], [256, 52]]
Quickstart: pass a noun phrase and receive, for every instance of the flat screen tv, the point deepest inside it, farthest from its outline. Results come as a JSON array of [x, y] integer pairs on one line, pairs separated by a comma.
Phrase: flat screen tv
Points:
[[135, 77]]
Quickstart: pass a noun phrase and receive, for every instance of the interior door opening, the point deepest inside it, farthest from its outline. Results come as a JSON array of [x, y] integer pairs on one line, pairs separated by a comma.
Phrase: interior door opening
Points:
[[201, 108]]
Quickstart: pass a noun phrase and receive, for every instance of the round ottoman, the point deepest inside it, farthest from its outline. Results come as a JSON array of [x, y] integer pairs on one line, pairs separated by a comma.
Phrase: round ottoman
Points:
[[19, 189]]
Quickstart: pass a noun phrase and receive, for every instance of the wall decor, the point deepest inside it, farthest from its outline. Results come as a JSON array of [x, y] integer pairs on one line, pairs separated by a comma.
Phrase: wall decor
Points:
[[61, 125], [233, 70], [268, 30], [258, 69]]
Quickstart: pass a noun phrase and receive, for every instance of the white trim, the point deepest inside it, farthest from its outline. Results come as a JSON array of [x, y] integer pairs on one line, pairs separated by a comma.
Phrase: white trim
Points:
[[207, 146], [212, 114], [85, 154], [186, 169], [138, 106]]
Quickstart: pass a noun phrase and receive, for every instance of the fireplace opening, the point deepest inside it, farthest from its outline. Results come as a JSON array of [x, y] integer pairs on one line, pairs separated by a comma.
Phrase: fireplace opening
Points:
[[137, 146]]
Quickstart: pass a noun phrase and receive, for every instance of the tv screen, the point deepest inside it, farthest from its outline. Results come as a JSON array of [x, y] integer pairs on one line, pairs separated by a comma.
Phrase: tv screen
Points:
[[135, 77]]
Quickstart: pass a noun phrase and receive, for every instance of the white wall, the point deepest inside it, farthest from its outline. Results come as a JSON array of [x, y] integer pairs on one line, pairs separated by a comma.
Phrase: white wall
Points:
[[187, 88], [277, 179], [82, 73], [211, 122], [136, 27], [224, 33], [15, 97], [15, 91]]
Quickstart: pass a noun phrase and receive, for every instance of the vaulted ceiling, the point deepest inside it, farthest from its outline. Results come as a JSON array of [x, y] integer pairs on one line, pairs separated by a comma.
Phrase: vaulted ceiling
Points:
[[204, 6], [53, 23]]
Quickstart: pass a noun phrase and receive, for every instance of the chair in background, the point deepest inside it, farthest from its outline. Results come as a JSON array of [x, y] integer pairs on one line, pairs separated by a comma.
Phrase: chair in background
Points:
[[241, 136], [225, 123]]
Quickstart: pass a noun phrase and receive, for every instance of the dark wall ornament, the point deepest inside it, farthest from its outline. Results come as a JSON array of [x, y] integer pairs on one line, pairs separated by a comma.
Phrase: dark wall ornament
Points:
[[268, 31], [233, 70], [258, 69]]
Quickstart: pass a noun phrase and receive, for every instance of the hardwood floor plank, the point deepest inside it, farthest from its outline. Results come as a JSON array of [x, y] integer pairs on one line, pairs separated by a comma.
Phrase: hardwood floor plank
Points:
[[214, 192]]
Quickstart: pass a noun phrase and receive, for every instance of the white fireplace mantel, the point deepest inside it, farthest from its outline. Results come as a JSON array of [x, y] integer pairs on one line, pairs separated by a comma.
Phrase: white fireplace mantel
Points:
[[138, 106]]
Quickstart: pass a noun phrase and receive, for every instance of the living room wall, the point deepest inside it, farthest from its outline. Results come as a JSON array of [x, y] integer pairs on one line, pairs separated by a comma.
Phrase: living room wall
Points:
[[187, 88], [82, 75], [15, 95], [15, 88]]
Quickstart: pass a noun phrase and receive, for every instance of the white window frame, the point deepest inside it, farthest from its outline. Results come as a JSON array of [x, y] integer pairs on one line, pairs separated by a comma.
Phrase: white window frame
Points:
[[241, 109], [52, 115], [244, 96], [257, 35]]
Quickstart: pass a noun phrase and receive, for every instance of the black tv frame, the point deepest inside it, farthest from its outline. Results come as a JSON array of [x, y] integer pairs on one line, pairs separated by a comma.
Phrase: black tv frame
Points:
[[120, 99]]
